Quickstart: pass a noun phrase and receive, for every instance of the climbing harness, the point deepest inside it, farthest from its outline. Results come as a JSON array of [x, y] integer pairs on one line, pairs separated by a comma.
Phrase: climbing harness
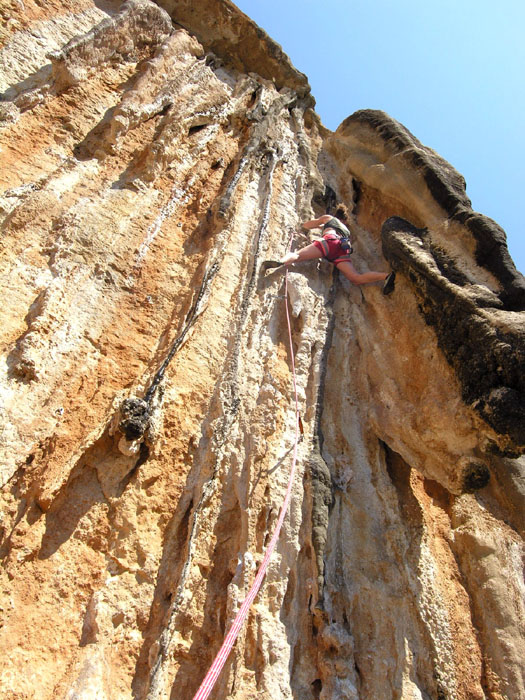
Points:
[[213, 673], [343, 233], [336, 246]]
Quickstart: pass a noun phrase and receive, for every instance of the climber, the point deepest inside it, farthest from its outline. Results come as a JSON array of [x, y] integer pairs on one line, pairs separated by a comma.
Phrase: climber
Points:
[[335, 246]]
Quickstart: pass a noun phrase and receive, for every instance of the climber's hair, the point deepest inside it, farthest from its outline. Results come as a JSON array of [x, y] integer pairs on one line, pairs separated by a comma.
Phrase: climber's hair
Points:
[[341, 212]]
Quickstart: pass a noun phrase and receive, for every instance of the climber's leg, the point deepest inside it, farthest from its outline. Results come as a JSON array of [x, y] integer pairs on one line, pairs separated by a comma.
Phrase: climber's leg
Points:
[[356, 277], [310, 252]]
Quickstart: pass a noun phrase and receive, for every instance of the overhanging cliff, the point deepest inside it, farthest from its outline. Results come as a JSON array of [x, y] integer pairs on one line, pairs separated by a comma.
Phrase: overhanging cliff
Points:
[[153, 155]]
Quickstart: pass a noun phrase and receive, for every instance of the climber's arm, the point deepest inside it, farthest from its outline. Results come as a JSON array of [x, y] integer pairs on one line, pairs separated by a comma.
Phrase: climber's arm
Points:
[[316, 223]]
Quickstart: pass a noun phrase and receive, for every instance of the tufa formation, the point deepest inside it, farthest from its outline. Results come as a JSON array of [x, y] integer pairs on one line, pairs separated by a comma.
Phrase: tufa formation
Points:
[[153, 155]]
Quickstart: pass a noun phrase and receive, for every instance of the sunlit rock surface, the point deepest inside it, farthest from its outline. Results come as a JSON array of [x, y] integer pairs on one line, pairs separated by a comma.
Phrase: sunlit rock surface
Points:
[[152, 156]]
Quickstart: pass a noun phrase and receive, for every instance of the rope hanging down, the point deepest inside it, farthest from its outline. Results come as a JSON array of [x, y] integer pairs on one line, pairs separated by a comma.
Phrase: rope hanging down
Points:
[[213, 673]]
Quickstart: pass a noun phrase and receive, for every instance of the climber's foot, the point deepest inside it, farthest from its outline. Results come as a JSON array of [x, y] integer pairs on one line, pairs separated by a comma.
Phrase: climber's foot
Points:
[[389, 284], [270, 265]]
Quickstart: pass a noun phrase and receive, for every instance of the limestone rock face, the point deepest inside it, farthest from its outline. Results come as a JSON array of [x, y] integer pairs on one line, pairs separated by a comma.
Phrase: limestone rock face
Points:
[[153, 155]]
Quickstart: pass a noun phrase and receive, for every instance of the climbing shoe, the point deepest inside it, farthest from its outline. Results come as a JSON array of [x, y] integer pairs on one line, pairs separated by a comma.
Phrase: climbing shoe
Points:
[[270, 265], [389, 284]]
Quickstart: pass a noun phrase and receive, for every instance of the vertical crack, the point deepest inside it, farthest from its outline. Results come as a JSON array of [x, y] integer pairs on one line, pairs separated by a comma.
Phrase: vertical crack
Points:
[[231, 404]]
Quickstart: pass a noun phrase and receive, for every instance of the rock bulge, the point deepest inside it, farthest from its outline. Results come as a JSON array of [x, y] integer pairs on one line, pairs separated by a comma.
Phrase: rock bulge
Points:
[[153, 155]]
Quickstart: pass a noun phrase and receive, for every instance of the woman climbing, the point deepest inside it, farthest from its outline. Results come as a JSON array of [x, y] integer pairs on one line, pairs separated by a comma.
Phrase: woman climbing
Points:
[[335, 246]]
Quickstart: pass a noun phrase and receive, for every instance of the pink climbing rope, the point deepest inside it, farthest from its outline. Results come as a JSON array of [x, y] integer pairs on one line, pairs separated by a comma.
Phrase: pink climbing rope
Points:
[[213, 673]]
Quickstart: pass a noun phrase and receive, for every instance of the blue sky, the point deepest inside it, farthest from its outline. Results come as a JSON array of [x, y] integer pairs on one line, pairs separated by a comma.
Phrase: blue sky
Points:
[[451, 71]]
